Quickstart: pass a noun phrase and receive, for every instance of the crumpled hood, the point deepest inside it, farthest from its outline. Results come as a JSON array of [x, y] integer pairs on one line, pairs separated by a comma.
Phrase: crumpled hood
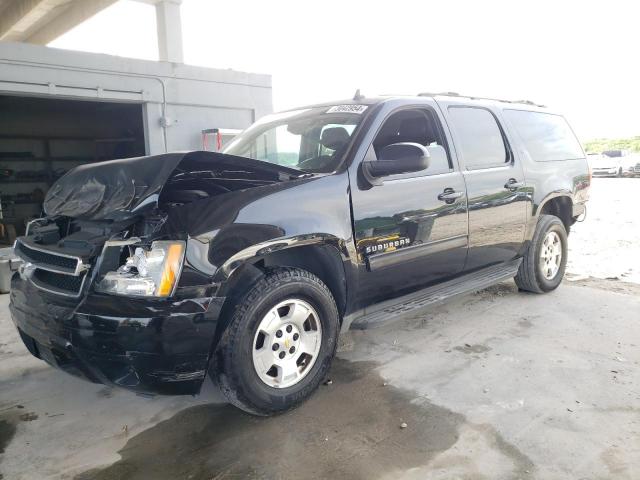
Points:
[[98, 191], [121, 189]]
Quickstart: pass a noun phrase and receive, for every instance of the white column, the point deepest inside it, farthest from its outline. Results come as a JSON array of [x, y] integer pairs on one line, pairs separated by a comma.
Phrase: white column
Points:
[[169, 31]]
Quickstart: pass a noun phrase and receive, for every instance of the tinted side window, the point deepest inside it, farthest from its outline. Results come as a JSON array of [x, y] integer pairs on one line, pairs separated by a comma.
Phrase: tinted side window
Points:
[[479, 136], [546, 137], [421, 126]]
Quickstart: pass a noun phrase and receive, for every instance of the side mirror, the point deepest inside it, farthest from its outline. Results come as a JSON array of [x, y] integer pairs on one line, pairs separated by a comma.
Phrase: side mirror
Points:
[[398, 158]]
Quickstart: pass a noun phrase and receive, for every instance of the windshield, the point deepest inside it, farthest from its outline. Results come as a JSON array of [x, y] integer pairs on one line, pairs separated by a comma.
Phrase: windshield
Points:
[[313, 140]]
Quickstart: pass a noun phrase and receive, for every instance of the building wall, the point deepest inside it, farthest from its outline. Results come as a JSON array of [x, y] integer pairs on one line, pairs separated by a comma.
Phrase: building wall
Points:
[[179, 101]]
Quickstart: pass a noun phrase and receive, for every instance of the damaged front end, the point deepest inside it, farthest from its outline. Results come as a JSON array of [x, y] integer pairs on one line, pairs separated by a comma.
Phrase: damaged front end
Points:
[[109, 289]]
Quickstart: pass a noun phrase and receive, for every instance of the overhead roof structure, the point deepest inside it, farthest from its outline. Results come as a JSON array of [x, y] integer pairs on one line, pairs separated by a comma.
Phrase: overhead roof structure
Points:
[[42, 21]]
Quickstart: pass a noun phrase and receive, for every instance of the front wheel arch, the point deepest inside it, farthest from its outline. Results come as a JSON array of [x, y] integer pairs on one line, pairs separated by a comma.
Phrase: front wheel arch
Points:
[[321, 260], [232, 367]]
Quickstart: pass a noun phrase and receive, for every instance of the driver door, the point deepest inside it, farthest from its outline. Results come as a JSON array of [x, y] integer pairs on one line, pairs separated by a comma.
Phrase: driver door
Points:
[[411, 230]]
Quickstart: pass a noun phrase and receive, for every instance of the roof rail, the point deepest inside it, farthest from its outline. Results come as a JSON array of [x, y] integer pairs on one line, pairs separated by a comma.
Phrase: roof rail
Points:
[[454, 94]]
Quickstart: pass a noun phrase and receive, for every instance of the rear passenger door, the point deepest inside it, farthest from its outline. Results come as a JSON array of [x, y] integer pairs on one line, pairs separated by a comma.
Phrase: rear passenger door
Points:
[[495, 184]]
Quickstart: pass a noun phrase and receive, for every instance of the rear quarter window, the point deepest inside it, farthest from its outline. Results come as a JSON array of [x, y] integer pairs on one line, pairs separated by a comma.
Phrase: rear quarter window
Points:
[[547, 137]]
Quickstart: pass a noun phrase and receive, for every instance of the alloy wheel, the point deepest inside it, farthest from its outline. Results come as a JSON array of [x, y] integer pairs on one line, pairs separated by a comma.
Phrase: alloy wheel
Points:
[[551, 255], [287, 343]]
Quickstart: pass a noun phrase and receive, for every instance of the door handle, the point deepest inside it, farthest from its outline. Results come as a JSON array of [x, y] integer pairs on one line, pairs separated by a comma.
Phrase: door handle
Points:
[[450, 195], [513, 185]]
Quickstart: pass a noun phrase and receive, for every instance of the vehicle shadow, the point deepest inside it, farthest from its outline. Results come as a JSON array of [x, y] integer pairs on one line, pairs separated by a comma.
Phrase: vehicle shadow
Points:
[[354, 427]]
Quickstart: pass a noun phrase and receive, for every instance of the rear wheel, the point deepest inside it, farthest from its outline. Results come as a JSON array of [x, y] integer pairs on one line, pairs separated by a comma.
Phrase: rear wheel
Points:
[[279, 344], [543, 266]]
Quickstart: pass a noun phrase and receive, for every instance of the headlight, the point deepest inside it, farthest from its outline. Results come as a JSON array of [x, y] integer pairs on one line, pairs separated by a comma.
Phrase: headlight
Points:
[[148, 272]]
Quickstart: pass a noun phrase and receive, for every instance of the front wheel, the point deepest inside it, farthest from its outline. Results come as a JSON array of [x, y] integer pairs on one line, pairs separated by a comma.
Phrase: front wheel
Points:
[[279, 344], [543, 266]]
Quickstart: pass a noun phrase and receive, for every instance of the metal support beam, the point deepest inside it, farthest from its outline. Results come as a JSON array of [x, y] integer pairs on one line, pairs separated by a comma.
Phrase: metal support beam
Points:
[[18, 15], [42, 21], [74, 15]]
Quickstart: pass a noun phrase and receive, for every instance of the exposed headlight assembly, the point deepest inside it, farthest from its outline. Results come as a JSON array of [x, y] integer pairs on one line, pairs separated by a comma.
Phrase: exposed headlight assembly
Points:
[[149, 272]]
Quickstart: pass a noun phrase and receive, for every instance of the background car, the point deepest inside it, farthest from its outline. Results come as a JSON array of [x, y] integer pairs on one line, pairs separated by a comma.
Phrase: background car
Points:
[[603, 165], [631, 165]]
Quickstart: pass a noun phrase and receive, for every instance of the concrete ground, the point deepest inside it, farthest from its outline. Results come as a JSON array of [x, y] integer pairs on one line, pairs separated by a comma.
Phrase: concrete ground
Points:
[[495, 385]]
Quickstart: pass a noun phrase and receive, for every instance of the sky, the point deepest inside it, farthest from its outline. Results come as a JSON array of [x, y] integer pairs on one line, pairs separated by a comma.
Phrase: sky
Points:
[[578, 57]]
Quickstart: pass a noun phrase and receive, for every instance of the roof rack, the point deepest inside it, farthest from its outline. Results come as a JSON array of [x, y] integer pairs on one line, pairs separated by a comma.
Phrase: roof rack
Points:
[[454, 94]]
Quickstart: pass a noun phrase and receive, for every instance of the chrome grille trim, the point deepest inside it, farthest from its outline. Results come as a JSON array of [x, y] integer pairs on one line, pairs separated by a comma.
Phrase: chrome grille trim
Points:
[[63, 293], [80, 267]]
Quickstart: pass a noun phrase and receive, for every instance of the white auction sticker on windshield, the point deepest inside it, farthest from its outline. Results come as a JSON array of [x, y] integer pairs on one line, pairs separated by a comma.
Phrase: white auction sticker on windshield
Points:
[[359, 109]]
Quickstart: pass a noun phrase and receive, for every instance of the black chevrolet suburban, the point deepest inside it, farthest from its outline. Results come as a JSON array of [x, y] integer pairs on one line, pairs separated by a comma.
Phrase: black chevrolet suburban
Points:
[[153, 273]]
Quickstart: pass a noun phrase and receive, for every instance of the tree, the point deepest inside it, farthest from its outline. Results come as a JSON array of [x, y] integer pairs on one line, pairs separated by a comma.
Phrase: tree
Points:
[[599, 145]]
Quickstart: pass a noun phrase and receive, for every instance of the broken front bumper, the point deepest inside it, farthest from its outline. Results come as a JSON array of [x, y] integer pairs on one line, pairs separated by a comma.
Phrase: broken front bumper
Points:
[[144, 345]]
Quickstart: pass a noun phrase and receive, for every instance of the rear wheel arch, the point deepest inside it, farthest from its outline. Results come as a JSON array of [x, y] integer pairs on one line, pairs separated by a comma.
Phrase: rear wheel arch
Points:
[[530, 276], [559, 206]]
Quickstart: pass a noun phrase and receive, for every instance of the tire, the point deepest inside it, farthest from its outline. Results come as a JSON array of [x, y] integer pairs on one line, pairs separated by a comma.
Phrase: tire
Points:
[[234, 370], [530, 276]]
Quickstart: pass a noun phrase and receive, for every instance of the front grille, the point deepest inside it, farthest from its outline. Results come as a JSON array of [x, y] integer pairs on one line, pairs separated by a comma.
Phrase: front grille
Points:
[[47, 260], [59, 283]]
